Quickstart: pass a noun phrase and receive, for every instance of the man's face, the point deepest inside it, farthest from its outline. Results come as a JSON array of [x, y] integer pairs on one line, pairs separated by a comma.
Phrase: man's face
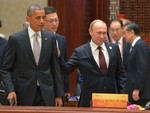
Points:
[[98, 33], [115, 31], [128, 35], [51, 22], [36, 20]]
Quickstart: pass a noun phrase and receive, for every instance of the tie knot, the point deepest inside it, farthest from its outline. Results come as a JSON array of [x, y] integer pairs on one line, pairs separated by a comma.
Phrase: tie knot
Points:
[[36, 34], [116, 42], [99, 47]]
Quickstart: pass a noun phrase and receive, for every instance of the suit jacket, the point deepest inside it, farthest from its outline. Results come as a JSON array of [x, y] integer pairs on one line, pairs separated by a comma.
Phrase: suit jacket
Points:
[[94, 80], [20, 55], [3, 43], [137, 68], [62, 44], [126, 49]]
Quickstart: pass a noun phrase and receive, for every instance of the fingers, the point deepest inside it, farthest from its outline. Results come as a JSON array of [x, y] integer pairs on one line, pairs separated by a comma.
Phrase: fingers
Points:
[[12, 98], [135, 95], [58, 102]]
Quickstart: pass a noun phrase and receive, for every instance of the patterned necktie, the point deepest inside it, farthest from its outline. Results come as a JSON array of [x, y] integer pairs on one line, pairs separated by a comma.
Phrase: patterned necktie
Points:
[[102, 61], [36, 48]]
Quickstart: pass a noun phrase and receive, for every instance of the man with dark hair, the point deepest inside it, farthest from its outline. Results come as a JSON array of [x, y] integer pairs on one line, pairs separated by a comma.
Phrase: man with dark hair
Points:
[[51, 24], [116, 37], [137, 66], [31, 57]]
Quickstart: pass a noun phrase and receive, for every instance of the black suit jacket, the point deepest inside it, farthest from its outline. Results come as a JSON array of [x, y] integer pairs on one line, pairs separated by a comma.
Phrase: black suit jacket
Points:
[[3, 43], [62, 44], [137, 70], [125, 49], [94, 80], [20, 55]]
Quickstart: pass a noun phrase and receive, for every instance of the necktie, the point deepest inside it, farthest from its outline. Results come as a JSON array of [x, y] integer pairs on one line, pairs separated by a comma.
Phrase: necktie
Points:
[[117, 43], [36, 48], [131, 47], [102, 61]]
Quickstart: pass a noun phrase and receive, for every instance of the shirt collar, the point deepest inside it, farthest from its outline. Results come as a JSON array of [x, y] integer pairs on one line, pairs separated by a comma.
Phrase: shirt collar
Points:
[[119, 41], [135, 40], [31, 32], [94, 46]]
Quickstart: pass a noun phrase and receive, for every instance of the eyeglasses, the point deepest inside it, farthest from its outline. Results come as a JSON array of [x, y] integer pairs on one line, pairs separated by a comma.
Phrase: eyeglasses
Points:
[[113, 30], [52, 20]]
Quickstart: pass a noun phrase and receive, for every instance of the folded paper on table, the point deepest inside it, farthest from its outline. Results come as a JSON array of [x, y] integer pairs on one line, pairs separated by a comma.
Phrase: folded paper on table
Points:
[[109, 100]]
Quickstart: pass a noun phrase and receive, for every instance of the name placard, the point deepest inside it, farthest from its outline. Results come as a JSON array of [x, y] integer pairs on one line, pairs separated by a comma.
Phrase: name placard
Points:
[[109, 100]]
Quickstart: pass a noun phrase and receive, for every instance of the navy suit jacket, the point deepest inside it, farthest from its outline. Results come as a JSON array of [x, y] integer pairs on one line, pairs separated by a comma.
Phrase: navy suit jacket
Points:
[[137, 70], [20, 55], [62, 44], [94, 80], [126, 50], [3, 43]]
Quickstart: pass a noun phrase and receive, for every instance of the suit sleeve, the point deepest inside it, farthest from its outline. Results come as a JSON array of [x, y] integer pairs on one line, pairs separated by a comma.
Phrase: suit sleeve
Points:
[[121, 79], [142, 66], [66, 78], [58, 84], [71, 64], [8, 65]]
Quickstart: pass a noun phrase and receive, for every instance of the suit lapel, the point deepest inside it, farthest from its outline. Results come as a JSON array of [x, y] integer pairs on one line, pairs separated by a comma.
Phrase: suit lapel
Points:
[[109, 49], [27, 44], [88, 53], [132, 52], [44, 40]]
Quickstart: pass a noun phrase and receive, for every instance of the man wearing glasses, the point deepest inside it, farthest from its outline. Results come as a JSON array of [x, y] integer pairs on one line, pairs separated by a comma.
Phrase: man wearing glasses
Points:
[[51, 24]]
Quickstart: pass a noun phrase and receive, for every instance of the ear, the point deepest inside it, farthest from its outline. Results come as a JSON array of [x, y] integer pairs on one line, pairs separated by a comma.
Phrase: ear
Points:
[[28, 18], [90, 31], [132, 32]]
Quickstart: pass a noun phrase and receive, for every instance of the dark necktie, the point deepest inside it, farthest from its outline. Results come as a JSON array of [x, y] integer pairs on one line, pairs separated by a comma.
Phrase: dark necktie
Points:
[[131, 47], [117, 43], [36, 48], [102, 61]]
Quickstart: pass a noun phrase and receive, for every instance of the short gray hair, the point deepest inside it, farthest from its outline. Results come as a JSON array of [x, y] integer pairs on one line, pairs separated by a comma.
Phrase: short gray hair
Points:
[[32, 8]]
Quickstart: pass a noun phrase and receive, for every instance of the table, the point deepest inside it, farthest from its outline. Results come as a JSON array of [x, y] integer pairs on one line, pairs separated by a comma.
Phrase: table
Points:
[[33, 109]]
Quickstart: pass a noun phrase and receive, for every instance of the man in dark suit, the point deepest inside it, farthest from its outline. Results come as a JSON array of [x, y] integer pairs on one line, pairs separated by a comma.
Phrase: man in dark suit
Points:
[[86, 58], [116, 37], [3, 43], [51, 24], [37, 79], [137, 66]]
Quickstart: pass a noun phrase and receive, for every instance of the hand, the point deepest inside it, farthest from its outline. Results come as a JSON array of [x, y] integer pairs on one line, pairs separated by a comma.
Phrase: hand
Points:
[[58, 102], [67, 95], [58, 52], [135, 95], [11, 96]]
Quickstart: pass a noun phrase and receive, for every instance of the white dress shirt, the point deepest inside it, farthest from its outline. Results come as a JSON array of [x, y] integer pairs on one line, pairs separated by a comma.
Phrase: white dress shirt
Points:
[[95, 52], [31, 36]]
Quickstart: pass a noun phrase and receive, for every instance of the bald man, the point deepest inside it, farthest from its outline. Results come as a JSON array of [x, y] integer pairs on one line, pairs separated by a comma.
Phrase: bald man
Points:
[[86, 58]]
